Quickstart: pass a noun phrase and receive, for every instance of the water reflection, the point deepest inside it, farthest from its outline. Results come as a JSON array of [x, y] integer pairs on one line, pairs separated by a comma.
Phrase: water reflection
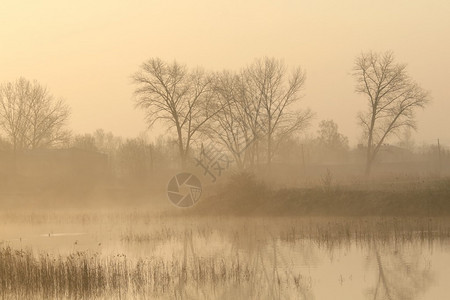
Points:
[[256, 259], [402, 272], [306, 269]]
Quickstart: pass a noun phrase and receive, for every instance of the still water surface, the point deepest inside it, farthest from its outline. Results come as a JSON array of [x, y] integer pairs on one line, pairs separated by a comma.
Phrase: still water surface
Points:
[[288, 268]]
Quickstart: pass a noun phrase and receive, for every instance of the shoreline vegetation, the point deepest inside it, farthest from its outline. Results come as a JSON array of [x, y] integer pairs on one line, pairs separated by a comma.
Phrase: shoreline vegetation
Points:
[[243, 194]]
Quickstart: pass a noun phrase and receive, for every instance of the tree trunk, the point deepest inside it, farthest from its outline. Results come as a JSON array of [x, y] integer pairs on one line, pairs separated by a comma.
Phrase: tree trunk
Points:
[[369, 157], [183, 161], [181, 149]]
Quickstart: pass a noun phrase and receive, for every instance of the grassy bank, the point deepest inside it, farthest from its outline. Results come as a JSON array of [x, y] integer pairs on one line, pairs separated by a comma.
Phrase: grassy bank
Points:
[[244, 195]]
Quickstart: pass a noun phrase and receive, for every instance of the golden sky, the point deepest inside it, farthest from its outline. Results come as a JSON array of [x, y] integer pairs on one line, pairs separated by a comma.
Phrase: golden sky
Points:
[[85, 51]]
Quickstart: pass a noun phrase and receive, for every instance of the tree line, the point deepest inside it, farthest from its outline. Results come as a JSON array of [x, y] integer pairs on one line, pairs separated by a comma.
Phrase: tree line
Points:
[[253, 114]]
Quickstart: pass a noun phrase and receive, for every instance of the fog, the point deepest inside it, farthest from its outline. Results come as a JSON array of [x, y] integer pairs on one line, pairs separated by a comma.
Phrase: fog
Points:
[[85, 52], [207, 150]]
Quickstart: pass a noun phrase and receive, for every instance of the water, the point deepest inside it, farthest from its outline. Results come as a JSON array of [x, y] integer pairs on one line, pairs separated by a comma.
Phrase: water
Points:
[[412, 270], [286, 259]]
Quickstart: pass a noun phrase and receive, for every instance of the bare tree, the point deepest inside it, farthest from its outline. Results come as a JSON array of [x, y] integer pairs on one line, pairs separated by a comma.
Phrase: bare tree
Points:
[[231, 126], [273, 92], [257, 109], [392, 99], [329, 136], [135, 159], [331, 144], [181, 97], [31, 117], [84, 141]]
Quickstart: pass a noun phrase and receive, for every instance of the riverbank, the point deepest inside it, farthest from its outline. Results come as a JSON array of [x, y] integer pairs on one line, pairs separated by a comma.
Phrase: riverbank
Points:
[[247, 196]]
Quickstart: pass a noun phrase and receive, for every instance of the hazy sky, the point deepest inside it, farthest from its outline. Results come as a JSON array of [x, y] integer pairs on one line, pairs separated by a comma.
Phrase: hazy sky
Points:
[[85, 51]]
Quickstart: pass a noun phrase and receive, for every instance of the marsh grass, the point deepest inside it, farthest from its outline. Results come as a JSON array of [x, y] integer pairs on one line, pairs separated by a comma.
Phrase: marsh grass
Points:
[[83, 275], [317, 229], [249, 262]]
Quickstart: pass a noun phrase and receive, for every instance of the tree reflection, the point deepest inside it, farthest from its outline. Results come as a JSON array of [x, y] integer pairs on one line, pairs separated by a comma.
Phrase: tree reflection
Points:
[[401, 273]]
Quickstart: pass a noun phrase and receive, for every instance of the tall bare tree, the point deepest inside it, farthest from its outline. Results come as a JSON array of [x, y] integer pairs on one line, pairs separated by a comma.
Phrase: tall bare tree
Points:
[[273, 92], [181, 97], [257, 109], [232, 127], [392, 98], [31, 117]]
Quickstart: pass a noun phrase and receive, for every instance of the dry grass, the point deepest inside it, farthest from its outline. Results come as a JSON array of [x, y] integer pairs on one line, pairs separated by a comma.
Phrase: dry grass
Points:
[[84, 275], [247, 269]]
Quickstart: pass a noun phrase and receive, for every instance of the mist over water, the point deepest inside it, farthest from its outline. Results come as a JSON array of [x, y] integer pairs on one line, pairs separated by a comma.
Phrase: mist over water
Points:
[[265, 258], [238, 150]]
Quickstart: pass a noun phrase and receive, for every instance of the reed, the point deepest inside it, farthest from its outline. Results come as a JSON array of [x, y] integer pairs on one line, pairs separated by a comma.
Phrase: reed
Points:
[[247, 260]]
